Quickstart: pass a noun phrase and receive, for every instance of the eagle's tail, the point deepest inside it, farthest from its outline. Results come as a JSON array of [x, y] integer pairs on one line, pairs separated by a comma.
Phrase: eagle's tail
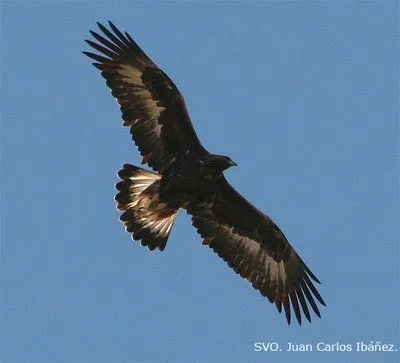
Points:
[[144, 215]]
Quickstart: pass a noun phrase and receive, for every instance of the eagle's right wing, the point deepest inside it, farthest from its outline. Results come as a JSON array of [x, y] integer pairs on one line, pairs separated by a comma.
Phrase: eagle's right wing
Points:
[[253, 245], [150, 103]]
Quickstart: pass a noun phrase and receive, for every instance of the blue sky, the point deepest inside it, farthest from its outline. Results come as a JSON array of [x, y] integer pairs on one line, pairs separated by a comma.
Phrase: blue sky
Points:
[[302, 95]]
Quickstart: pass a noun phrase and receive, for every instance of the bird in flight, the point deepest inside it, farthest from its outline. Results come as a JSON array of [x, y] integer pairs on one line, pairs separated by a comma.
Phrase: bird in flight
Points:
[[185, 175]]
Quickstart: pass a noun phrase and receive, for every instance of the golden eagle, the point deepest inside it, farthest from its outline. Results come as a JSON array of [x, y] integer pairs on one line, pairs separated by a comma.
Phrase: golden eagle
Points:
[[187, 176]]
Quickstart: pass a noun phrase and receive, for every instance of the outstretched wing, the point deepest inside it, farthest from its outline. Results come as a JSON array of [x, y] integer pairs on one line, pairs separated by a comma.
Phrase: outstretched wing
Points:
[[150, 103], [256, 249]]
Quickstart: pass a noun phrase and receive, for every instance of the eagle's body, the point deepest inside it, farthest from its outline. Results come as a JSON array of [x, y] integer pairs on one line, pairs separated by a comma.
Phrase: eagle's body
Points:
[[192, 179], [185, 175]]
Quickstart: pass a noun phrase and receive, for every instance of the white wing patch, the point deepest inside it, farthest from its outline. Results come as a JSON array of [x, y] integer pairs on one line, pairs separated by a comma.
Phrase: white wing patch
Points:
[[130, 74]]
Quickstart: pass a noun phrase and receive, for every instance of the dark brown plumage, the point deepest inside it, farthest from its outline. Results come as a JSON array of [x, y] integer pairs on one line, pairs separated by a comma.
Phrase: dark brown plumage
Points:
[[187, 176]]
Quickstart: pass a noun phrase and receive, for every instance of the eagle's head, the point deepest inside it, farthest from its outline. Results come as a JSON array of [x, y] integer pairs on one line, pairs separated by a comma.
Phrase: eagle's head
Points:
[[219, 163]]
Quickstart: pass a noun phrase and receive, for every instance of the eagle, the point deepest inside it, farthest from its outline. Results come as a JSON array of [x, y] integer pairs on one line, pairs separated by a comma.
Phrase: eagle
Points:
[[186, 176]]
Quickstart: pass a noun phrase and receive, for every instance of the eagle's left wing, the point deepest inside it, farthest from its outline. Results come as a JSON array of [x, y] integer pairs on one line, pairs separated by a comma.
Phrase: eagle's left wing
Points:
[[252, 244], [150, 103]]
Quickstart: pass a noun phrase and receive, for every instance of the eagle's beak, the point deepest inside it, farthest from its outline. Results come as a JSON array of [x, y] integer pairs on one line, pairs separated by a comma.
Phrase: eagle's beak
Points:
[[232, 163]]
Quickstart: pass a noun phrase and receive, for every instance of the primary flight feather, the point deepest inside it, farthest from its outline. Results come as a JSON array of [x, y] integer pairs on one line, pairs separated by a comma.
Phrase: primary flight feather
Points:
[[187, 176]]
